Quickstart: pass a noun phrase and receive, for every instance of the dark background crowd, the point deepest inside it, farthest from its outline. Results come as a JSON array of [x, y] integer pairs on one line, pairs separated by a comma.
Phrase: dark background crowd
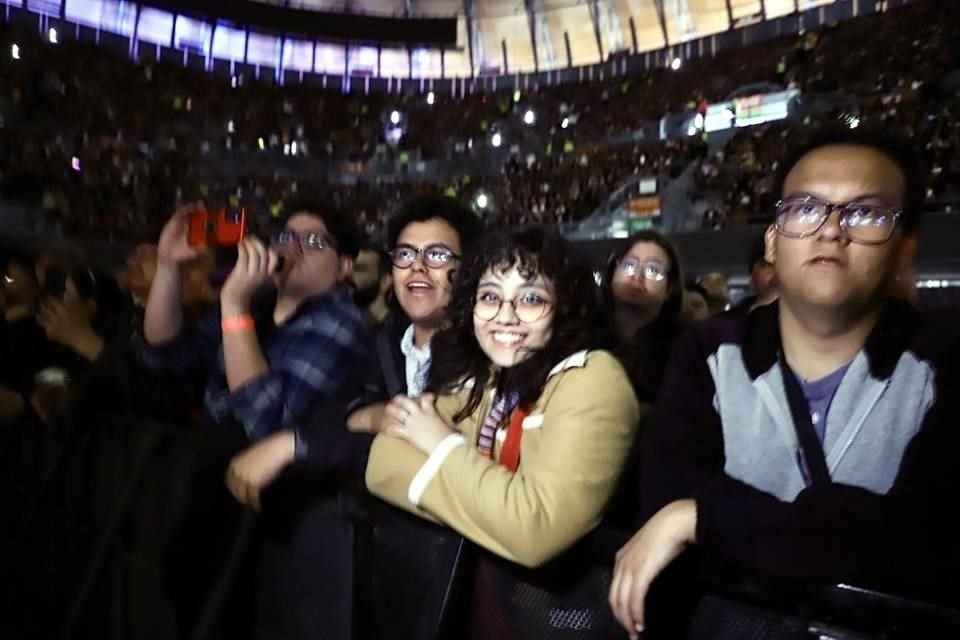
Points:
[[142, 138]]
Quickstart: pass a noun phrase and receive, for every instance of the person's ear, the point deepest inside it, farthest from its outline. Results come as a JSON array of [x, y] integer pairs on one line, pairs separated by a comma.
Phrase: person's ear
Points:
[[770, 245]]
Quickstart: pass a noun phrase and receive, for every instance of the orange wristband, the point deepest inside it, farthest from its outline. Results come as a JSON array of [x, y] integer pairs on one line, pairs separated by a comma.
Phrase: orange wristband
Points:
[[237, 324]]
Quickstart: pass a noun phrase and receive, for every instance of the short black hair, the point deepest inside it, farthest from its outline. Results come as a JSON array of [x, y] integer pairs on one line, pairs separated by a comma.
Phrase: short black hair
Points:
[[383, 260], [897, 149], [342, 228], [453, 212]]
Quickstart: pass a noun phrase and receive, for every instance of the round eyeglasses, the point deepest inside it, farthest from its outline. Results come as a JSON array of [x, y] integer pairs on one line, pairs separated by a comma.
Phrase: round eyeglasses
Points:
[[651, 270], [528, 307], [305, 241], [862, 223], [435, 256]]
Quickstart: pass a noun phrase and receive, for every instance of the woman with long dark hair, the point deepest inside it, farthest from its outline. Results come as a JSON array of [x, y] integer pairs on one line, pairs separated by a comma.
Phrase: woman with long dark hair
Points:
[[522, 440], [642, 292]]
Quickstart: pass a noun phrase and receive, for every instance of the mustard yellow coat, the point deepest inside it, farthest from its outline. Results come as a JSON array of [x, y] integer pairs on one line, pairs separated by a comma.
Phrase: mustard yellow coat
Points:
[[575, 443]]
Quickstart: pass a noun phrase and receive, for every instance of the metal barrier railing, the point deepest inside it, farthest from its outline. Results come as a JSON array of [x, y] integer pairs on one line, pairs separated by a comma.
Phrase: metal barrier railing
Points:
[[99, 506]]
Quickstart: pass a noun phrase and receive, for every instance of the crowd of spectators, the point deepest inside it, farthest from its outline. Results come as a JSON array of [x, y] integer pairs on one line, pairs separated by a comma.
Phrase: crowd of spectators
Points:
[[278, 391], [111, 146], [906, 76]]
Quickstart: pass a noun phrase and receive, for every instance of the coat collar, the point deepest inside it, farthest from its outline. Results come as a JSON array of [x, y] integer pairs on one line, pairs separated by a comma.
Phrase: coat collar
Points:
[[578, 359], [883, 348]]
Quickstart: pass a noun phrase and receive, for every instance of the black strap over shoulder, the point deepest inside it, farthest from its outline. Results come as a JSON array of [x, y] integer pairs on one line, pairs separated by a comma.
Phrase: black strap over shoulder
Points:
[[809, 442]]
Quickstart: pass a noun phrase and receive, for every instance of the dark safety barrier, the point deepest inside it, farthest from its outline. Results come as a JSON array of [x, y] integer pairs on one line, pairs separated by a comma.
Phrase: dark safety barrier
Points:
[[122, 529]]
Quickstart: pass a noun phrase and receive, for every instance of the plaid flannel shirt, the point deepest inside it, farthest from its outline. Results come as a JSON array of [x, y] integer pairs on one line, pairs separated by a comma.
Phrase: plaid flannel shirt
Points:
[[309, 356]]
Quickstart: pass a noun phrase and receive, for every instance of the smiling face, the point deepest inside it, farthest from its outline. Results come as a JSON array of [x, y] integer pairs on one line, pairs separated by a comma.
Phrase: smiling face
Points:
[[826, 270], [422, 291], [524, 321]]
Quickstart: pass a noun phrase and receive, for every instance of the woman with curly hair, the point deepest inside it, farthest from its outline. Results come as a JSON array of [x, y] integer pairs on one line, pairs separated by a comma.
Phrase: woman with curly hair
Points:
[[521, 440]]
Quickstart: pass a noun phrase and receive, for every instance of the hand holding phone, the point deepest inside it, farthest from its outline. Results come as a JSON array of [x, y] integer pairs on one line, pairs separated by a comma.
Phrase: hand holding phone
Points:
[[255, 268], [224, 227], [175, 246]]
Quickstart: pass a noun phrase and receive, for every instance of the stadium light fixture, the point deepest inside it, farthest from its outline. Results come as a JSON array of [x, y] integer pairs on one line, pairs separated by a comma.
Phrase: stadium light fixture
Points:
[[676, 63], [482, 200], [53, 36]]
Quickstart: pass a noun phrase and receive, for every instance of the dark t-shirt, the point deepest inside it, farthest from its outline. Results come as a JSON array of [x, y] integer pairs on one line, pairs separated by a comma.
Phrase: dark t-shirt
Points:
[[819, 395]]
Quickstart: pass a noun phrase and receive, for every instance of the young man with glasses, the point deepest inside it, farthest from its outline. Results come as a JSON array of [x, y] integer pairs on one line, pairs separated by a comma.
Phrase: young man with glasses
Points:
[[267, 373], [280, 349], [427, 240], [814, 437]]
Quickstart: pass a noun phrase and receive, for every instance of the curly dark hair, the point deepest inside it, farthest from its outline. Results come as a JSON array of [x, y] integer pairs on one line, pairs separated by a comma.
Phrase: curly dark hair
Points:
[[456, 354]]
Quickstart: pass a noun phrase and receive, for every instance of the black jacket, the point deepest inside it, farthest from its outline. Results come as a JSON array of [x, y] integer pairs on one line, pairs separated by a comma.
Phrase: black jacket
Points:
[[411, 566], [885, 523]]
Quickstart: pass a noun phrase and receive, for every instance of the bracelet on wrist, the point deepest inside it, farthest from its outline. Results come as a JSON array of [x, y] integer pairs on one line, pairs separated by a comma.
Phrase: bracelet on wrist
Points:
[[242, 323]]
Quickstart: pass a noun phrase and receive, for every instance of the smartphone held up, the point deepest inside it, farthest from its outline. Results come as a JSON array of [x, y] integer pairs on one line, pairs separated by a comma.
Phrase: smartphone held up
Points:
[[225, 227]]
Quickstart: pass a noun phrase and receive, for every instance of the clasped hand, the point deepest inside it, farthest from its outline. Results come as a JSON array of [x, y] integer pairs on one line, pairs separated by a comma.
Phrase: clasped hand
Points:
[[415, 420]]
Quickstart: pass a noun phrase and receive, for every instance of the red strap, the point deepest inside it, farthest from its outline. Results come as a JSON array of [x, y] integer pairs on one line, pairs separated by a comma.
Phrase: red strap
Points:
[[510, 451]]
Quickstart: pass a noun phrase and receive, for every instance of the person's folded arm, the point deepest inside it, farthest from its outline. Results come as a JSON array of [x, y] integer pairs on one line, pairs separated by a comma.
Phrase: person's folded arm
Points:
[[836, 532], [833, 532], [312, 368], [324, 444], [559, 492], [194, 347]]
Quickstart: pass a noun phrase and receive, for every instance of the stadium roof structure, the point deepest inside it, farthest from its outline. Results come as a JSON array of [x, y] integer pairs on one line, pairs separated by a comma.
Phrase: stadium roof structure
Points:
[[555, 40], [522, 36]]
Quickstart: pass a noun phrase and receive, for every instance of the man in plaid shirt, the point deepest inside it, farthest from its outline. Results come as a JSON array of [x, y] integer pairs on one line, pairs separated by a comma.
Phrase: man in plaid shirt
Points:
[[271, 371]]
